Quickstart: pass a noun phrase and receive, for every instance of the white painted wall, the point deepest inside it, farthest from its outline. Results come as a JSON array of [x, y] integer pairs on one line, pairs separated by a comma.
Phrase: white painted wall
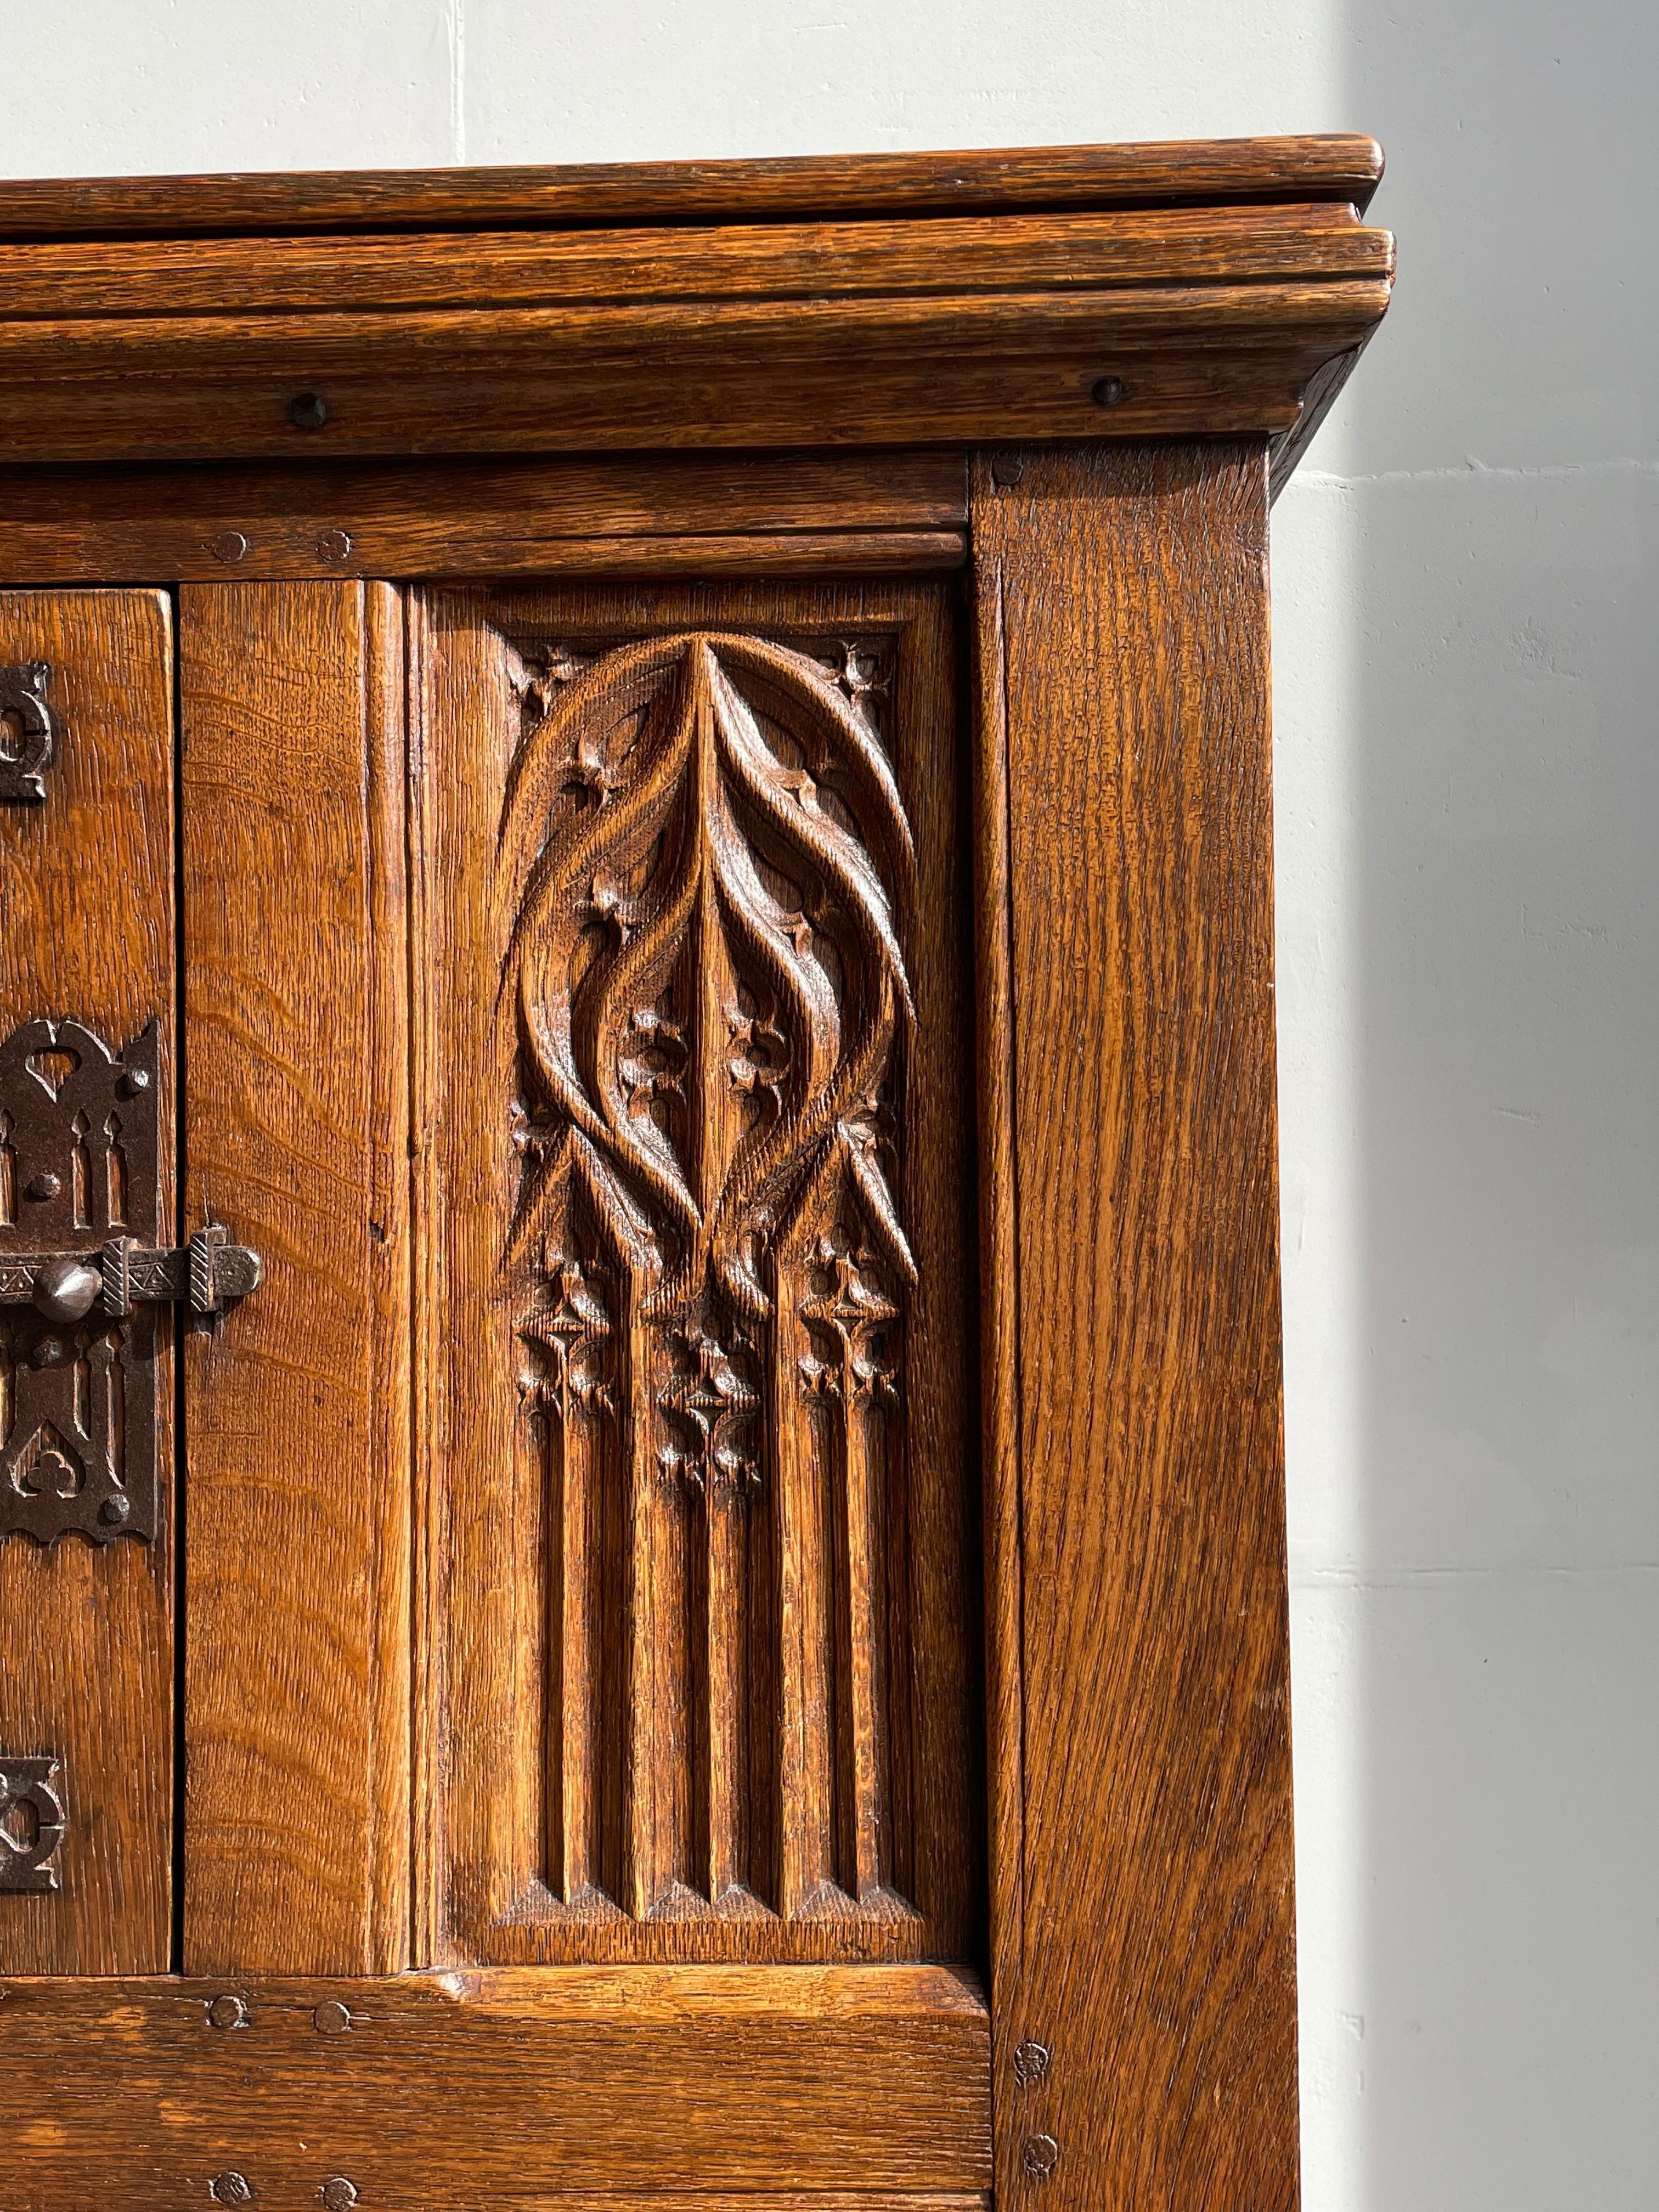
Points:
[[1469, 798]]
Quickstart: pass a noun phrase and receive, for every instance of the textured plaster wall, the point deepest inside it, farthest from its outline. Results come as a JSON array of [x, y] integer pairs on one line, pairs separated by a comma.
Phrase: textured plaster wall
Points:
[[1468, 798]]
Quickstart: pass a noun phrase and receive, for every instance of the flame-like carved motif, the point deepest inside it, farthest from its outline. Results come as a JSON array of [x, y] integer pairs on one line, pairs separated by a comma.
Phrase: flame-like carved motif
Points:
[[698, 928]]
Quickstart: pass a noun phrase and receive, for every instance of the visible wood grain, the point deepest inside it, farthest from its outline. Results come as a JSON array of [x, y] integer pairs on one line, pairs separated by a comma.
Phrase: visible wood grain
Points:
[[87, 931], [754, 1711], [1143, 1920], [777, 514], [297, 1605], [1190, 356], [761, 305], [999, 1254], [506, 2088], [1332, 168], [1319, 396], [765, 261]]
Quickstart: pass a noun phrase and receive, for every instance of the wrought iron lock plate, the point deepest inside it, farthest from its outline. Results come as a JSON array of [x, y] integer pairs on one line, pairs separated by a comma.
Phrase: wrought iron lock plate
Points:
[[81, 1277], [28, 729]]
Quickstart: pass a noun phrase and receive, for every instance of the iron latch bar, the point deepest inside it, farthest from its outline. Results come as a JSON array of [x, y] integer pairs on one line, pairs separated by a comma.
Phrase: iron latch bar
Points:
[[210, 1271]]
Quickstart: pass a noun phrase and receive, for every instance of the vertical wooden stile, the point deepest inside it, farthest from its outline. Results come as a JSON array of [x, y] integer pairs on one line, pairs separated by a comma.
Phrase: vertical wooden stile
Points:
[[1143, 1953], [297, 1712]]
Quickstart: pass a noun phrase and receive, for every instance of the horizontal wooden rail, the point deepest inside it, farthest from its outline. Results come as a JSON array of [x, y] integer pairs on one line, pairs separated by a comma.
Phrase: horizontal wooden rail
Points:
[[505, 2087]]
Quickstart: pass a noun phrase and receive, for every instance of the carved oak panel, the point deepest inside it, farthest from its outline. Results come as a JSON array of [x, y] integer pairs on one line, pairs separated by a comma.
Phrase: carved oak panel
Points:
[[706, 1462]]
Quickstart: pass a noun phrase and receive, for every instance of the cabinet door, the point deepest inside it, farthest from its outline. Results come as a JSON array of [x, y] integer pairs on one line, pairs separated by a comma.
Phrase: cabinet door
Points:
[[87, 968]]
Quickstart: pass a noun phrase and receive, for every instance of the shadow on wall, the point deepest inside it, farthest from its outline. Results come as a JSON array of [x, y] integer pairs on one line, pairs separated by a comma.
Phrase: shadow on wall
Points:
[[1500, 1585]]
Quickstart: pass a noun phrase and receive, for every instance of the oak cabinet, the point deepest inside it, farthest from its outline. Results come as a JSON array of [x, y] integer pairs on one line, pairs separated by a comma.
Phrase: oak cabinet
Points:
[[642, 1549]]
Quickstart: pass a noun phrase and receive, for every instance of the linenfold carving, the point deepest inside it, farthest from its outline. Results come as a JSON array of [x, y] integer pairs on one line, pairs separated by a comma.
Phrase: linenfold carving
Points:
[[704, 866]]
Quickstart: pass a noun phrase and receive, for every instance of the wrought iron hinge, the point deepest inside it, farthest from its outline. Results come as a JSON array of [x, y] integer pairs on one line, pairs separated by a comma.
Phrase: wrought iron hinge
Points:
[[81, 1274], [28, 729]]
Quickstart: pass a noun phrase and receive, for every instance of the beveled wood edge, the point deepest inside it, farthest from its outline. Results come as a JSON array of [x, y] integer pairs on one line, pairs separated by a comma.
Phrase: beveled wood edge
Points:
[[1342, 167], [1320, 396]]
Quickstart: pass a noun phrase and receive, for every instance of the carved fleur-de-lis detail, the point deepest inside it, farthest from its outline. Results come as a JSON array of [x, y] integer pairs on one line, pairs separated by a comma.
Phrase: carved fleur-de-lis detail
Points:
[[849, 1308], [860, 671], [534, 1131], [539, 685], [709, 1401], [570, 1329]]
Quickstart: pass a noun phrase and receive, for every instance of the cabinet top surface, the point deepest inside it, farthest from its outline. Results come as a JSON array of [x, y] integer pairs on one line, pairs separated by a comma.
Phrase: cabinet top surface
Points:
[[1179, 173]]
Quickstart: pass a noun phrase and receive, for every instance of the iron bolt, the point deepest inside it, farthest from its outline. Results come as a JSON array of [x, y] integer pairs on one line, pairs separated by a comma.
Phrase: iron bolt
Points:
[[224, 2011], [231, 2189], [230, 546], [331, 2017], [114, 1511], [334, 545], [1109, 392], [46, 1186], [339, 2195], [1006, 468], [307, 410]]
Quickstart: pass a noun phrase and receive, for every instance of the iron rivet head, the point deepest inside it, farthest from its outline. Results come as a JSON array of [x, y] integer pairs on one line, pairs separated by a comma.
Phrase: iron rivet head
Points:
[[135, 1080], [224, 2011], [231, 2189], [307, 410], [49, 1352], [330, 2017], [334, 545], [46, 1186], [1006, 468], [1109, 392], [1031, 2062], [1040, 2156], [339, 2195], [114, 1511], [230, 546]]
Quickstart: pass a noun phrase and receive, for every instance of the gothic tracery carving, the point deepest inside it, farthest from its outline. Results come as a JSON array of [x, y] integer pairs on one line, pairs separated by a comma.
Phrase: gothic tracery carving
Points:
[[704, 862]]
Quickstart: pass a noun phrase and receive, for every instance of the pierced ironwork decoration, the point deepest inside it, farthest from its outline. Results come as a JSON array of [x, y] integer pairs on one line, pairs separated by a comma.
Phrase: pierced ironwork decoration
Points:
[[79, 1277], [28, 730], [32, 1823]]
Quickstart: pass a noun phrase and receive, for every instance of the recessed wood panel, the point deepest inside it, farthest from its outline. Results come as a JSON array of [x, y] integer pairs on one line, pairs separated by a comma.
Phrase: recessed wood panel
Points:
[[87, 934], [693, 1288]]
